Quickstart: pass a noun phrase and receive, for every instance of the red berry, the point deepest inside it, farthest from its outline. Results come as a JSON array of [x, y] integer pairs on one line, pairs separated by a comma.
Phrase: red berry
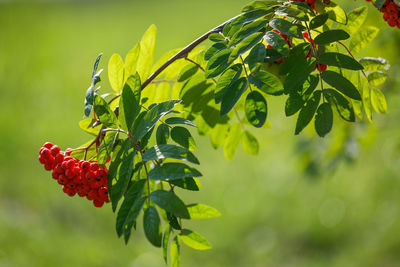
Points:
[[94, 166], [70, 174], [42, 159], [98, 203], [59, 158], [55, 150], [48, 145], [48, 166]]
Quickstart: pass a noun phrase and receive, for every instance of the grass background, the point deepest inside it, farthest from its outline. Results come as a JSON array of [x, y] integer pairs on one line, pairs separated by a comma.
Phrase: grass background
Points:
[[273, 214]]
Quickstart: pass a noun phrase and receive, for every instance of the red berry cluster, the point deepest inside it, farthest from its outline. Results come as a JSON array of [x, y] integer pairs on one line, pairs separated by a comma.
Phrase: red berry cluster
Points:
[[87, 179], [391, 13], [321, 67]]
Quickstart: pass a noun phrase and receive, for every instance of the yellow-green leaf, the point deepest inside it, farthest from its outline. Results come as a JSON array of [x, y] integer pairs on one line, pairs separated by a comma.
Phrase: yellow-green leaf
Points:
[[378, 101], [147, 45], [116, 72]]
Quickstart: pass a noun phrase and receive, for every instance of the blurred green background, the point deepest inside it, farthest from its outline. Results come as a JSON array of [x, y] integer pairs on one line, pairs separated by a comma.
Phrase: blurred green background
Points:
[[273, 214]]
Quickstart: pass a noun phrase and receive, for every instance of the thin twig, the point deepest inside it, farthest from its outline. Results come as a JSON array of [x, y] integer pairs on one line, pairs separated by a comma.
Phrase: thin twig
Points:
[[195, 63]]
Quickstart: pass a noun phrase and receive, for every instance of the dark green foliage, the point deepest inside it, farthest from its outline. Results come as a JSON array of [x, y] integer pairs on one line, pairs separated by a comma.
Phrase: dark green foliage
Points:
[[256, 109], [341, 84], [152, 226], [307, 112], [284, 26], [170, 202], [331, 36], [323, 119]]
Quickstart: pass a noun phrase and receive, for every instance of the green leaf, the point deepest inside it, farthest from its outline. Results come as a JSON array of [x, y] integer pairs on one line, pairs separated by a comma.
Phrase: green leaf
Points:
[[146, 56], [214, 49], [323, 119], [318, 21], [277, 42], [187, 72], [341, 84], [256, 109], [260, 4], [285, 27], [218, 135], [296, 99], [179, 120], [216, 37], [331, 36], [355, 20], [173, 221], [256, 55], [124, 174], [165, 241], [232, 142], [131, 219], [362, 38], [245, 45], [131, 61], [336, 13], [218, 63], [194, 240], [116, 72], [232, 95], [162, 134], [170, 202], [225, 81], [201, 211], [340, 60], [86, 125], [252, 15], [378, 101], [247, 31], [267, 83], [129, 103], [366, 100], [183, 137], [169, 151], [153, 116], [129, 208], [249, 143], [299, 52], [272, 55], [186, 183], [342, 105], [104, 113], [307, 112], [292, 12], [152, 226], [89, 98], [374, 64], [377, 78], [116, 159], [174, 252], [173, 171], [298, 74], [106, 147]]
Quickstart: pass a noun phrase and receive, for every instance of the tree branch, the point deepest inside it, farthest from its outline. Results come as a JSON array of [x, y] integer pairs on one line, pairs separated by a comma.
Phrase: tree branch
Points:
[[184, 52]]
